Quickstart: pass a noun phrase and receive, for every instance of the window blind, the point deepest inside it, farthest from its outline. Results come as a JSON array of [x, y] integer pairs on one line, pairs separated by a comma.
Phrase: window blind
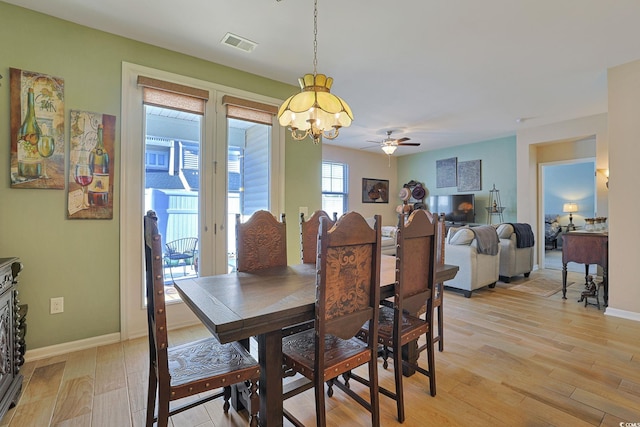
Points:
[[250, 111], [173, 95]]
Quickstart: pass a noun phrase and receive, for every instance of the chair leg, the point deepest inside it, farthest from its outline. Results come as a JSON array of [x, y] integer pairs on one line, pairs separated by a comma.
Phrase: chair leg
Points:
[[385, 356], [255, 404], [431, 363], [321, 419], [226, 396], [440, 327], [397, 371], [170, 270], [163, 409], [330, 387], [373, 389], [151, 396]]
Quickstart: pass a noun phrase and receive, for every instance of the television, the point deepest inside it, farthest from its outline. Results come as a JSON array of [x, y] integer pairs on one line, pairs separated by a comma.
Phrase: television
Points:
[[457, 208]]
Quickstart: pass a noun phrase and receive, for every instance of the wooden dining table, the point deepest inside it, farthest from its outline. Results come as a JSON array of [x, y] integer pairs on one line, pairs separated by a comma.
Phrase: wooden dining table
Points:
[[237, 306]]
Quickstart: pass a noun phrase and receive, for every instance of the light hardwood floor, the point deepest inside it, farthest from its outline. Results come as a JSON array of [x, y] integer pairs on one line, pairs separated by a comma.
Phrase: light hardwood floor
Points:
[[510, 359]]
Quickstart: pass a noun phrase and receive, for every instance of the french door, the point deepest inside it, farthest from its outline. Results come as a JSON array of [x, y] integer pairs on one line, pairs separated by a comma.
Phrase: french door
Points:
[[196, 171]]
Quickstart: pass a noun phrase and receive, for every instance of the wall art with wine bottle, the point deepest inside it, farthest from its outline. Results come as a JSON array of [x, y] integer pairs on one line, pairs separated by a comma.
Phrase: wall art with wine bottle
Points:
[[91, 165], [37, 130]]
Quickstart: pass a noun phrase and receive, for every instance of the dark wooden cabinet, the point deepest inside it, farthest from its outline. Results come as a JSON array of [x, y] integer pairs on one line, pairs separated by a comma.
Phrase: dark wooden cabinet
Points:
[[586, 248], [10, 327]]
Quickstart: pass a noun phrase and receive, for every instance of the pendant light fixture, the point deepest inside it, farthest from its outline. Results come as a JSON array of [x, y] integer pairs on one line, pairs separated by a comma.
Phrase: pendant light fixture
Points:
[[315, 111]]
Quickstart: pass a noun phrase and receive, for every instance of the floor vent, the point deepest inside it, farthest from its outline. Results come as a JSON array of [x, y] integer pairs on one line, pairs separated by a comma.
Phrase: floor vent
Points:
[[238, 42]]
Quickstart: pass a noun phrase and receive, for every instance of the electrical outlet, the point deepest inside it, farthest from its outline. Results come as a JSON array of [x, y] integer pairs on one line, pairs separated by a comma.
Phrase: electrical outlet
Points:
[[57, 305]]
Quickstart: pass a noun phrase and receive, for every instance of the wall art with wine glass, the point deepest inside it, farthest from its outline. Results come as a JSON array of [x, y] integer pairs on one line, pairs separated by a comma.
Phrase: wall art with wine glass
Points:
[[37, 130], [91, 165]]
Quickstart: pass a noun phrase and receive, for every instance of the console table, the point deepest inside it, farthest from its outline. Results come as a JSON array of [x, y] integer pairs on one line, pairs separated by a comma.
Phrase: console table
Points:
[[586, 248]]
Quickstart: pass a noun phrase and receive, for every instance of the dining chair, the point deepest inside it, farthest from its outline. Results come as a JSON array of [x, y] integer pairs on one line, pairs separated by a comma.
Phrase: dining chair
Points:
[[347, 295], [309, 235], [261, 242], [193, 368], [399, 325], [438, 292]]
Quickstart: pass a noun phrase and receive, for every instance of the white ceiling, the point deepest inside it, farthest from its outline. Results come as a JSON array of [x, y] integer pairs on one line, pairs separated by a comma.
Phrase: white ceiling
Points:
[[442, 72]]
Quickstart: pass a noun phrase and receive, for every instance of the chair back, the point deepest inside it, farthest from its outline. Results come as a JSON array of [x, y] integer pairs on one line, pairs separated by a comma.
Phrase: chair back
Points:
[[441, 233], [415, 262], [309, 235], [348, 280], [261, 242], [156, 310]]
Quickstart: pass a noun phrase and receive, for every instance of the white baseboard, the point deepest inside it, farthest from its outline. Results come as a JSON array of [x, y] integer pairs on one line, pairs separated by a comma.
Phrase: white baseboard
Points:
[[68, 347], [615, 312]]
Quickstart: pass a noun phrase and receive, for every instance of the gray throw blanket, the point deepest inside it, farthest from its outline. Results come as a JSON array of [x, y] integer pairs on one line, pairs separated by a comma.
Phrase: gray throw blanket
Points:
[[487, 238], [524, 235]]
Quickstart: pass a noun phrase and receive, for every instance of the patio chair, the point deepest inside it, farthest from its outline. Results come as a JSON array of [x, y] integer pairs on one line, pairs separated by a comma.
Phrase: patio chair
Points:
[[181, 251]]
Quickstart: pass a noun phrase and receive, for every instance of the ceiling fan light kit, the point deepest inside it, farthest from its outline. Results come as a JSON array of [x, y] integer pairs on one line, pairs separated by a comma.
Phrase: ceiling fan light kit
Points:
[[389, 145], [315, 111], [389, 149]]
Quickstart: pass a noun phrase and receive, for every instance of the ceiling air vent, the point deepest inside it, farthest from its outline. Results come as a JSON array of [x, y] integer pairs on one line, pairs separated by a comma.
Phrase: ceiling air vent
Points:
[[238, 42]]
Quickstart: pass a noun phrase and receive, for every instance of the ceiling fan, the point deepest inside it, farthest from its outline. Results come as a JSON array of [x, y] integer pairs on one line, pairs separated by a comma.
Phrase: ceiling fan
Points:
[[389, 144]]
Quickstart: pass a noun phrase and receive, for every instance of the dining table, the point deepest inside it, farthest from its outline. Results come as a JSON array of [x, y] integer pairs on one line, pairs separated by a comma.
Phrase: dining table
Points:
[[240, 305]]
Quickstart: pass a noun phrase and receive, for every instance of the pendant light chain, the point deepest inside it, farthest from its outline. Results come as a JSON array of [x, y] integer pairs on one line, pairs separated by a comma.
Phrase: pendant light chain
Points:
[[315, 111], [315, 36]]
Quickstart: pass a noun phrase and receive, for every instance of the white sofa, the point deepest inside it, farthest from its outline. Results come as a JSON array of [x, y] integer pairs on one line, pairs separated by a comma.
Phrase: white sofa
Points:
[[513, 260], [476, 269], [388, 240]]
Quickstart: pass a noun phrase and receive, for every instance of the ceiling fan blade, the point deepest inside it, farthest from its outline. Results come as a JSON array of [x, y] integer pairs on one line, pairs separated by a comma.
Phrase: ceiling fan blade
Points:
[[402, 139], [412, 144], [368, 148]]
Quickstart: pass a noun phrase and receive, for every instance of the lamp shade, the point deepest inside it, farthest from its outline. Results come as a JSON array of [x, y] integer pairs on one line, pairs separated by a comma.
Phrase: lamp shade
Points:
[[570, 207], [315, 110], [389, 149]]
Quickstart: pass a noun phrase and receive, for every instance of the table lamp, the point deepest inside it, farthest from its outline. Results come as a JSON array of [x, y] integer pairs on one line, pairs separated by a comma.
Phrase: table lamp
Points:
[[570, 208]]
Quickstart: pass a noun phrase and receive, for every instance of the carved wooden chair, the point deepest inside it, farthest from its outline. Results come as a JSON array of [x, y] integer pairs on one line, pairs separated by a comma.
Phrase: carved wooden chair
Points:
[[438, 293], [309, 235], [349, 264], [261, 242], [399, 325], [193, 368]]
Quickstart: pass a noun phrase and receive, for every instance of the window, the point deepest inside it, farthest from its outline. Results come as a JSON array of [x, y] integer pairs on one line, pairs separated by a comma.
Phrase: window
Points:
[[157, 160], [184, 156], [334, 187]]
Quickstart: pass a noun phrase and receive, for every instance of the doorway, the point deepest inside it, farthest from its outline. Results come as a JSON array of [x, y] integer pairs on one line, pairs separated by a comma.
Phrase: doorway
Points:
[[568, 197], [194, 156]]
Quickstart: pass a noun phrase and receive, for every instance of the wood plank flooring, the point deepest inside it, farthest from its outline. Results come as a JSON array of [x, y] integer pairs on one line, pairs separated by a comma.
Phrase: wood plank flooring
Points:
[[510, 359]]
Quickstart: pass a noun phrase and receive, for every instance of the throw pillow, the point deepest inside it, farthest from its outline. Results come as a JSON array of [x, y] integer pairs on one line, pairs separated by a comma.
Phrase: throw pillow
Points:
[[463, 236], [504, 231]]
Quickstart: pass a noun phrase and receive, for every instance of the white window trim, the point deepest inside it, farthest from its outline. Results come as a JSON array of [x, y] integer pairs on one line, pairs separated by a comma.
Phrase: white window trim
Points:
[[345, 183], [132, 310]]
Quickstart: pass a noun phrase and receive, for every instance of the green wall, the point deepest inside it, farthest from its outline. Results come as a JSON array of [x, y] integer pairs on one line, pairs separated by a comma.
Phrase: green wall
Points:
[[498, 167], [79, 259]]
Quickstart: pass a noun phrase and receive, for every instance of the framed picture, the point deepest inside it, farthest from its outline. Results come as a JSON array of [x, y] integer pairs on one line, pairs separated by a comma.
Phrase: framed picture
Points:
[[37, 130], [469, 176], [446, 172], [91, 165], [375, 190]]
